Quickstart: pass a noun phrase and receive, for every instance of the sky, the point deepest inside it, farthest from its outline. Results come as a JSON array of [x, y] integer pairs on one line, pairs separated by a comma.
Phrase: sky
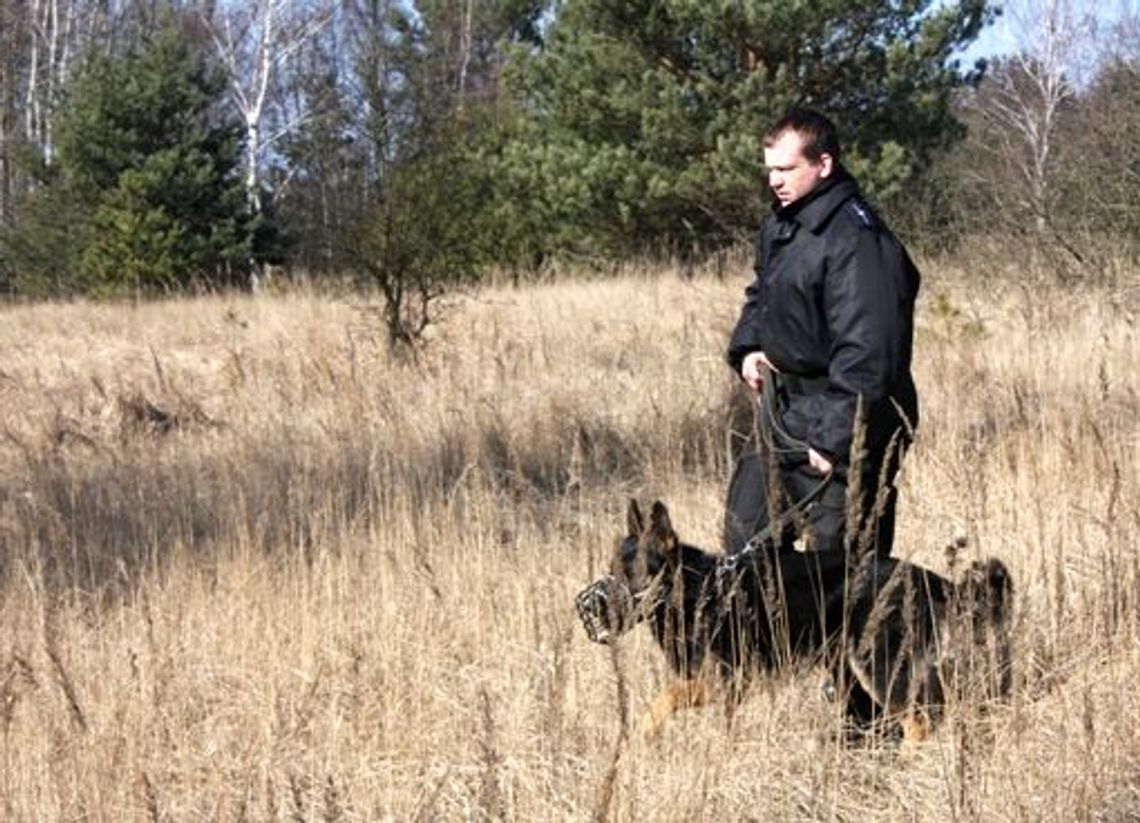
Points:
[[1011, 32]]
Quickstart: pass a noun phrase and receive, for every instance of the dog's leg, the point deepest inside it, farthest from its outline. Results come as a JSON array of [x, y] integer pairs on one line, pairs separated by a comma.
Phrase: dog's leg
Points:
[[679, 694]]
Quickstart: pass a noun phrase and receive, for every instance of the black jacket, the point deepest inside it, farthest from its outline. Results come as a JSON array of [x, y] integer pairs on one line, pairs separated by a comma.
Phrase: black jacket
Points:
[[834, 298]]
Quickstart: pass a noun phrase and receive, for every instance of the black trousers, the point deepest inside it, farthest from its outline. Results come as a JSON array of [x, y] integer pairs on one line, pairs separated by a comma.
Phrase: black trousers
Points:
[[761, 490]]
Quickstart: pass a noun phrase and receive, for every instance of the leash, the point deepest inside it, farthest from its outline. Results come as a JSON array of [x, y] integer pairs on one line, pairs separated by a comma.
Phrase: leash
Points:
[[607, 597], [778, 441]]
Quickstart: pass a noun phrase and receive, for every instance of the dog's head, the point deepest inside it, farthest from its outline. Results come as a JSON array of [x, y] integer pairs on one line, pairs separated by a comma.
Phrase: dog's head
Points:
[[639, 576]]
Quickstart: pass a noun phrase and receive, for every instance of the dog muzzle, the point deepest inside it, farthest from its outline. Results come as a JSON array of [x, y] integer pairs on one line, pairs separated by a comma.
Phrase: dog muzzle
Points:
[[604, 607]]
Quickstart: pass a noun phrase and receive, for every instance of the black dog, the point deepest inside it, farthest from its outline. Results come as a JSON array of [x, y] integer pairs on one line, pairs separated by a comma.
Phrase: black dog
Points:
[[894, 636]]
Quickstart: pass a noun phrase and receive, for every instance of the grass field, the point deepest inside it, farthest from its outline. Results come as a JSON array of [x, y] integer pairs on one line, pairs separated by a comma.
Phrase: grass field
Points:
[[253, 568]]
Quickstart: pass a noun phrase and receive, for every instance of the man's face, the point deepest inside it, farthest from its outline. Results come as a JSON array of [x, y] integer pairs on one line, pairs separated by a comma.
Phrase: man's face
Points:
[[790, 174]]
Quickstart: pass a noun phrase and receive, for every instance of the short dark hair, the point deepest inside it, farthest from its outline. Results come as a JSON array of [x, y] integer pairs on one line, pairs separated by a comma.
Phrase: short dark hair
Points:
[[818, 132]]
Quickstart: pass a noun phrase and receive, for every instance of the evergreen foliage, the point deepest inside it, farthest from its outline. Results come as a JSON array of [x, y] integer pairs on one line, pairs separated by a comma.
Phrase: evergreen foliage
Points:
[[641, 122], [412, 145], [146, 172], [40, 248]]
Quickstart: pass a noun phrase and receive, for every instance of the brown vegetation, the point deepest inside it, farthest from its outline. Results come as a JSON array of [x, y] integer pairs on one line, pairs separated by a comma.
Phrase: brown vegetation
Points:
[[252, 568]]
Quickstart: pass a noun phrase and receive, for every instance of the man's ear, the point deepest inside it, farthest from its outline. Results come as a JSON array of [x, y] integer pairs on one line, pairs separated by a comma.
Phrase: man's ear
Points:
[[634, 522], [826, 164]]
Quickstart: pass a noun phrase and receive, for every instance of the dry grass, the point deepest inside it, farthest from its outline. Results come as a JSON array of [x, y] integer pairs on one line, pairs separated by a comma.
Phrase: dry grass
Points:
[[253, 568]]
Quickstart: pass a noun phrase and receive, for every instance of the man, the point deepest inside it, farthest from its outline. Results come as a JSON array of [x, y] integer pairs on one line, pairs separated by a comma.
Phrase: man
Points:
[[829, 318]]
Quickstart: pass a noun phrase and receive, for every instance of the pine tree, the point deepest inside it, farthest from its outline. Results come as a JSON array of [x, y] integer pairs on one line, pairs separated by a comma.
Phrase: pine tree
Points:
[[148, 167], [640, 122]]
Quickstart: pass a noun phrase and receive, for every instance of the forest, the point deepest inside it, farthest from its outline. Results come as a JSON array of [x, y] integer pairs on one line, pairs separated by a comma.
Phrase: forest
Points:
[[150, 148]]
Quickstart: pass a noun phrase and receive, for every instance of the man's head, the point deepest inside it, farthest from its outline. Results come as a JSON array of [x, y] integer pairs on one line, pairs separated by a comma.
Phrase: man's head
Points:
[[800, 152]]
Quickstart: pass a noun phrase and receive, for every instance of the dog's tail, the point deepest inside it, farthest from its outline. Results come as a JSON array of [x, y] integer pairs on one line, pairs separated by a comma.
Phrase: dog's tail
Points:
[[987, 592], [987, 589]]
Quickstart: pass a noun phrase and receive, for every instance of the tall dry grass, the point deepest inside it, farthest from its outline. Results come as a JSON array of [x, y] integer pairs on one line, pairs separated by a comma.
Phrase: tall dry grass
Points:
[[251, 567]]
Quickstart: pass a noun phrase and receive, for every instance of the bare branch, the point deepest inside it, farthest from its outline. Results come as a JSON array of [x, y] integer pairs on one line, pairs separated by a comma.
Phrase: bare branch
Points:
[[256, 44]]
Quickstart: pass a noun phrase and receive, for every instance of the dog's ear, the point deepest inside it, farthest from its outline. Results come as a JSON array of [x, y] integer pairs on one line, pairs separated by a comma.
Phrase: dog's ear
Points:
[[634, 522], [662, 529]]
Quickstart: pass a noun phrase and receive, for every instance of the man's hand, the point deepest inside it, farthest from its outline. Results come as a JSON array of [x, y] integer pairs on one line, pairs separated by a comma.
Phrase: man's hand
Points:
[[753, 368], [818, 462]]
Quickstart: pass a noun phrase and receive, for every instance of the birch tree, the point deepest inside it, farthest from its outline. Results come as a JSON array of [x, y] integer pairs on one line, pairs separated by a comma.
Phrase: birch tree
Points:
[[1023, 101], [52, 26], [9, 70], [40, 43], [256, 43]]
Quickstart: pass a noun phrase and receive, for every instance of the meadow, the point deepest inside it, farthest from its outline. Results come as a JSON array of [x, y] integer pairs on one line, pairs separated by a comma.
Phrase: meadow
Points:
[[254, 567]]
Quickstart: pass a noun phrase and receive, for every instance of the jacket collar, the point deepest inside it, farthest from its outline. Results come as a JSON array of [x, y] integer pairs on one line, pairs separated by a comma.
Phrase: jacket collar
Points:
[[813, 209]]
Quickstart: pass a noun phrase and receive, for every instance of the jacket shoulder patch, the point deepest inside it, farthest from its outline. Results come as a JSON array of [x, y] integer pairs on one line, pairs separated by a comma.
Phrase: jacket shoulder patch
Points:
[[862, 213]]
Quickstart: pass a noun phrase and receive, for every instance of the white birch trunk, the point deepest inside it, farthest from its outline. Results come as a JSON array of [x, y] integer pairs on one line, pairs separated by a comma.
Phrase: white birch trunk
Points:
[[1049, 37], [465, 48], [31, 97], [274, 43]]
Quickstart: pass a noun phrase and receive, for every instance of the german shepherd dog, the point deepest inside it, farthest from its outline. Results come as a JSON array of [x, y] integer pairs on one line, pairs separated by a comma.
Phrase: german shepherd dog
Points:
[[895, 637]]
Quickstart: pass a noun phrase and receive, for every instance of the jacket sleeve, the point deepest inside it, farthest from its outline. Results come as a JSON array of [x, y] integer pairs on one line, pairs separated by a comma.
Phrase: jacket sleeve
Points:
[[747, 336], [863, 300]]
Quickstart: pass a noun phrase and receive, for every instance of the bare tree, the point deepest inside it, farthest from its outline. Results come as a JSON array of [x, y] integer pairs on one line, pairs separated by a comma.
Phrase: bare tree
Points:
[[9, 69], [51, 45], [39, 41], [1022, 102], [1100, 146], [1052, 149], [256, 42], [464, 48]]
